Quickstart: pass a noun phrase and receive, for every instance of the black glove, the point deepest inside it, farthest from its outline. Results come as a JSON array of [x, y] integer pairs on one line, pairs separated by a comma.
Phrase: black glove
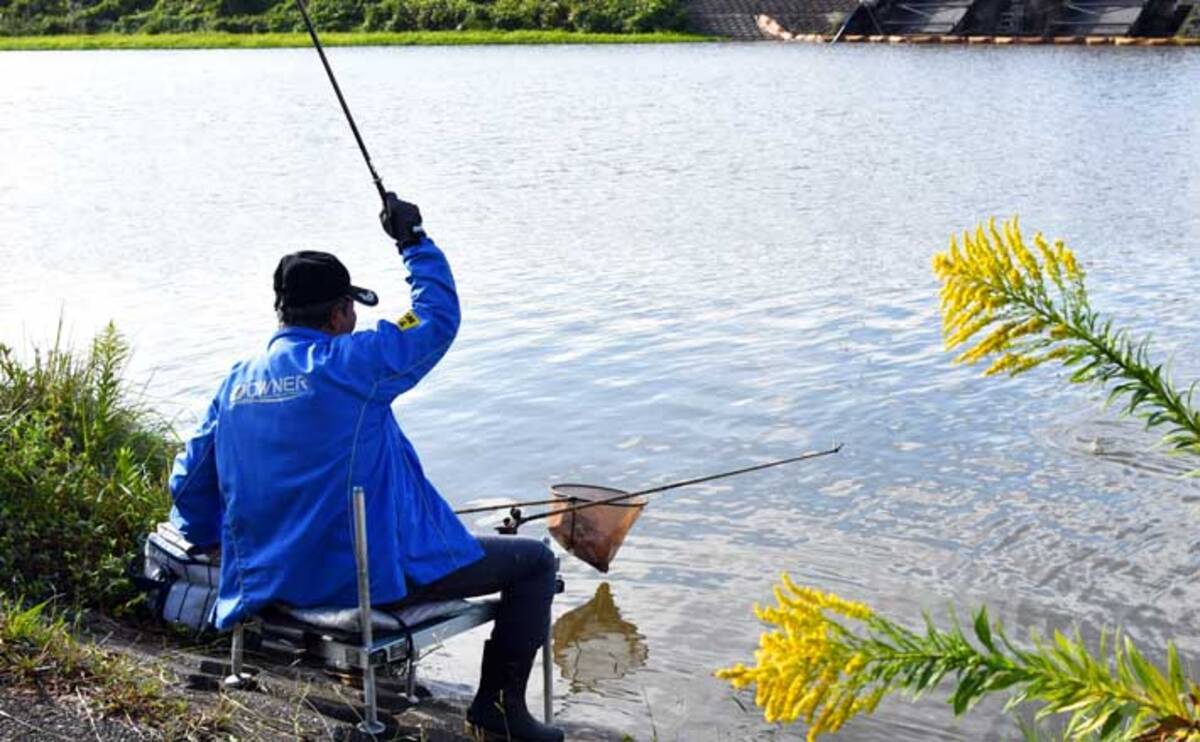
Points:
[[402, 221]]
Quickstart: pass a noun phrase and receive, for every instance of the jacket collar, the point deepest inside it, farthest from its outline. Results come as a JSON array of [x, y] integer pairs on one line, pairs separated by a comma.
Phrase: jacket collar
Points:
[[298, 334]]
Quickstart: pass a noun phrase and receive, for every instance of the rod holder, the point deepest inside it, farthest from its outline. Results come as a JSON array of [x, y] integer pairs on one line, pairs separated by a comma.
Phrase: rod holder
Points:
[[370, 724]]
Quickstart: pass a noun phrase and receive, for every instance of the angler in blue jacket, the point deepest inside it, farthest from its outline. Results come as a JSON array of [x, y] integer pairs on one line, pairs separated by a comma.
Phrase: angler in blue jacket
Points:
[[268, 475]]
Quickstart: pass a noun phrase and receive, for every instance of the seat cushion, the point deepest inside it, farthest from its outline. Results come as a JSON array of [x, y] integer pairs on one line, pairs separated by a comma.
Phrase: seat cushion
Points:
[[419, 613], [341, 620], [345, 620]]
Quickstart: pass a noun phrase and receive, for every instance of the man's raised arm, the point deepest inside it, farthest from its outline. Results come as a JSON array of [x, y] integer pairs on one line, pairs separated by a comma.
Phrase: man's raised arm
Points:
[[403, 351]]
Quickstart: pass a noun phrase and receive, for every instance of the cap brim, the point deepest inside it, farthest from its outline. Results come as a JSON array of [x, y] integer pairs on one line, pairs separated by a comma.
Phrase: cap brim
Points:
[[363, 296]]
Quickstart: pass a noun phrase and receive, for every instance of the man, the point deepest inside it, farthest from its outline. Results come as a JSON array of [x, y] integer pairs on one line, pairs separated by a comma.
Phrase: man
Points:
[[268, 475]]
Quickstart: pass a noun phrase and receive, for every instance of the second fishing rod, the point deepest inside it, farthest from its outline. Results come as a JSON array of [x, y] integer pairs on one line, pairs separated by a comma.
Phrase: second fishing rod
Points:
[[515, 519]]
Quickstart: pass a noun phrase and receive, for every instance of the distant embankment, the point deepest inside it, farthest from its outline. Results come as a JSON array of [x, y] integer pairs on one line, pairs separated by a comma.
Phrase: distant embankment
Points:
[[1121, 22]]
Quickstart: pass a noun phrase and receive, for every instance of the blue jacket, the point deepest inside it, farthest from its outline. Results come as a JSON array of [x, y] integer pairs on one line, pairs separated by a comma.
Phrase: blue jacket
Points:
[[269, 473]]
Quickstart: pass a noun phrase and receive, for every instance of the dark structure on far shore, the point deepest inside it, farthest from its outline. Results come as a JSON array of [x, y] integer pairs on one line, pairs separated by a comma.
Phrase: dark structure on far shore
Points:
[[1018, 20]]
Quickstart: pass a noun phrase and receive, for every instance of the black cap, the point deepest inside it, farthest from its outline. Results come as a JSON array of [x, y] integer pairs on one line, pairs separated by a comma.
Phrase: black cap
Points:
[[310, 277]]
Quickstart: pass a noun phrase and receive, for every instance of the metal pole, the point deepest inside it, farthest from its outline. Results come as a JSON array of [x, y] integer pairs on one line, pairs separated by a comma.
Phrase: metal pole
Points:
[[547, 667], [547, 683], [371, 724], [846, 22], [236, 678]]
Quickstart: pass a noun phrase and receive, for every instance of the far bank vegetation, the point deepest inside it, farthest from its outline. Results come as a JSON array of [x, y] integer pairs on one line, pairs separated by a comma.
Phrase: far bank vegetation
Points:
[[59, 17]]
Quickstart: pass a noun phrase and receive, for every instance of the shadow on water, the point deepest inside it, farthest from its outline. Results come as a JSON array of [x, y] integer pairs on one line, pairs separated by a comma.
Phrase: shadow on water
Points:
[[593, 644]]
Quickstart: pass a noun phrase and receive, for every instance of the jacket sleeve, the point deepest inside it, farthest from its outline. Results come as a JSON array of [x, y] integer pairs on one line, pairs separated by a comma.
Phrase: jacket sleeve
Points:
[[195, 492], [396, 355]]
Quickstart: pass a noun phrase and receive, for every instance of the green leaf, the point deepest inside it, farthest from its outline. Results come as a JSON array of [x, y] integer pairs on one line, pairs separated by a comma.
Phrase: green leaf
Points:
[[1111, 725], [983, 631], [1175, 670], [1148, 676], [961, 700]]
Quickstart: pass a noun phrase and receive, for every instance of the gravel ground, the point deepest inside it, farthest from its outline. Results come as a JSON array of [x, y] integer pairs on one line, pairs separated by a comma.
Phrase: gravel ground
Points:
[[286, 702], [25, 716]]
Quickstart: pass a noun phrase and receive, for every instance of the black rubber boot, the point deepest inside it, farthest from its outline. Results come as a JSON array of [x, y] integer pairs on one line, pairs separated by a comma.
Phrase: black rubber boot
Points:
[[498, 711]]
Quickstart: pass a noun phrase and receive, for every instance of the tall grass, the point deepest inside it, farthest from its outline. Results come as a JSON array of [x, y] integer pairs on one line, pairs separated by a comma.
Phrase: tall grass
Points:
[[83, 472]]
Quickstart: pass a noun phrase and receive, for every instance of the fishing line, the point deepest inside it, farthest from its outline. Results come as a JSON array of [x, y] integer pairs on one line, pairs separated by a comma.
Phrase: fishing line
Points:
[[341, 99]]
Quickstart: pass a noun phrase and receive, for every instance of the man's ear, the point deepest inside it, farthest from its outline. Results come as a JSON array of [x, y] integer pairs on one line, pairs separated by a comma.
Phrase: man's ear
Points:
[[335, 317], [339, 317]]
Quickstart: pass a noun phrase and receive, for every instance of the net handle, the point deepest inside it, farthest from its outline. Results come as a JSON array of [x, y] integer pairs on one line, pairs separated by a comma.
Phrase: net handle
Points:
[[520, 520]]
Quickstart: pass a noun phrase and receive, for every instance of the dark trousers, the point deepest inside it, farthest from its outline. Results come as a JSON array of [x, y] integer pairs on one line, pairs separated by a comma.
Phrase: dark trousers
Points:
[[522, 570]]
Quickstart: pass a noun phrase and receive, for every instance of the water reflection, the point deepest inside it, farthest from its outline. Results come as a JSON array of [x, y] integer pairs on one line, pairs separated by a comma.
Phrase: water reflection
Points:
[[593, 644]]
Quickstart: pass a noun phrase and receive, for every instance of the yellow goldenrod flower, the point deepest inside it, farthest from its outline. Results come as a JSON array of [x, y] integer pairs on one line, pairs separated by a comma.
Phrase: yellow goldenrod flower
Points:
[[1031, 326], [964, 332], [1069, 264], [855, 664], [805, 669], [1049, 257], [811, 667], [1005, 362], [996, 278], [996, 340]]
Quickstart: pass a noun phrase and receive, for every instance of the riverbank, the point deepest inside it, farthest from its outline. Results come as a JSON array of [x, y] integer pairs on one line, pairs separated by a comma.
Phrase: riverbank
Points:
[[94, 677], [217, 40], [83, 675]]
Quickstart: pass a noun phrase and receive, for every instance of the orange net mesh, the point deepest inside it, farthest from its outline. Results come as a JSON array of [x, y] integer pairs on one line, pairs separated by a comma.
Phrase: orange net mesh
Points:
[[594, 534]]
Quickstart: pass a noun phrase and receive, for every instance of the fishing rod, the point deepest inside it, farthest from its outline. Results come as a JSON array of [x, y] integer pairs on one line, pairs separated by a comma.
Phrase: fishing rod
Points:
[[341, 99], [515, 519]]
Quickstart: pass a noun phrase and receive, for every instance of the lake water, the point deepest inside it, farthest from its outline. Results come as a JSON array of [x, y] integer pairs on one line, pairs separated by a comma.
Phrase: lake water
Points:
[[672, 260]]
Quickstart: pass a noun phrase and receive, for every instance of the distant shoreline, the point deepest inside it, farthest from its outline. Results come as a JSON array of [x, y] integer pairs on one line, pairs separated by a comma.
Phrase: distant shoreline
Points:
[[215, 40]]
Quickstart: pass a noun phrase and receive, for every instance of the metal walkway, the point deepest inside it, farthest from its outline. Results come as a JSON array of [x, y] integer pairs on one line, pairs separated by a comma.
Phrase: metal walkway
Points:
[[1095, 18], [922, 16]]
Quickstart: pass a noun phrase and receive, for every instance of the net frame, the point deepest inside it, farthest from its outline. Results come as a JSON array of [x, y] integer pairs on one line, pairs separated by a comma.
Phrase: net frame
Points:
[[594, 533]]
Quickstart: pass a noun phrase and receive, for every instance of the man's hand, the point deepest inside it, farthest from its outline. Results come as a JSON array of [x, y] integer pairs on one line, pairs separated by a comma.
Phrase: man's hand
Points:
[[402, 221]]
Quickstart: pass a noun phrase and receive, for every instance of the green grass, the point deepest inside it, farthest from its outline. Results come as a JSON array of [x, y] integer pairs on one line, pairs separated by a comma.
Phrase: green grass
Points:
[[216, 40], [40, 652], [83, 474]]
